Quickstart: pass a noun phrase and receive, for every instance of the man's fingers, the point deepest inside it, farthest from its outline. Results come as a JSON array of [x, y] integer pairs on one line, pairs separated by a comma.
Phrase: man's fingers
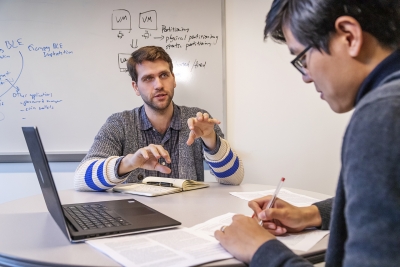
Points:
[[191, 138], [200, 120], [200, 116], [254, 206], [159, 151], [219, 235], [144, 153], [278, 231], [214, 121], [154, 150], [191, 122], [197, 132], [164, 153], [162, 168], [274, 215]]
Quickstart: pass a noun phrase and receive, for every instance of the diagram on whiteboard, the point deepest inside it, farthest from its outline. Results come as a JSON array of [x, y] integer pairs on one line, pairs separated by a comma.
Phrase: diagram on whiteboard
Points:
[[49, 65], [12, 69], [171, 37], [63, 63]]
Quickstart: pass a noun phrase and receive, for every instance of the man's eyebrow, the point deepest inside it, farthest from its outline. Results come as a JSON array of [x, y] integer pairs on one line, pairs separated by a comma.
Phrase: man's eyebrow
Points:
[[146, 76]]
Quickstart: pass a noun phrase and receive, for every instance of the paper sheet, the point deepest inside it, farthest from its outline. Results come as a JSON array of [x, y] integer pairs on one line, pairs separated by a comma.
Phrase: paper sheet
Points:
[[300, 241], [178, 247], [303, 241], [209, 227], [290, 197]]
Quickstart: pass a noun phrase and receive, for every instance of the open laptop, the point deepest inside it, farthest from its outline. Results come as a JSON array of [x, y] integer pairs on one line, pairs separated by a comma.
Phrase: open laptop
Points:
[[82, 221]]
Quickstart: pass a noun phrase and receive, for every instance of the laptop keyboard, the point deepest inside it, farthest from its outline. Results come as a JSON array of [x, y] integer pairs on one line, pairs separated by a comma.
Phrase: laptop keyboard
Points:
[[94, 216]]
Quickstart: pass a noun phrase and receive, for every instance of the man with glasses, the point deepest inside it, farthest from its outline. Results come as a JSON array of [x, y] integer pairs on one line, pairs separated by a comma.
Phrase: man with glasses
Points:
[[350, 51]]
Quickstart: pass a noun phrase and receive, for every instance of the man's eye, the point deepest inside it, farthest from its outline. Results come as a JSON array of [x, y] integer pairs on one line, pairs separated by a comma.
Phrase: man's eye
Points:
[[303, 62], [164, 75], [148, 79]]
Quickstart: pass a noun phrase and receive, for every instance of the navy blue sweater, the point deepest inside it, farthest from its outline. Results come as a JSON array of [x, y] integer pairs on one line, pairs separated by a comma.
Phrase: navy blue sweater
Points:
[[365, 218]]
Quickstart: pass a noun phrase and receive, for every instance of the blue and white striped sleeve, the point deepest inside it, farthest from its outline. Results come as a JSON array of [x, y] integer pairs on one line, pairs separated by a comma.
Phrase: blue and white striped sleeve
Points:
[[97, 174], [225, 165]]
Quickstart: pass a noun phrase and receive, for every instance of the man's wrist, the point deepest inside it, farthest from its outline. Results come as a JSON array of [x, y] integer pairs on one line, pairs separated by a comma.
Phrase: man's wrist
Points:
[[210, 141], [312, 217], [125, 165]]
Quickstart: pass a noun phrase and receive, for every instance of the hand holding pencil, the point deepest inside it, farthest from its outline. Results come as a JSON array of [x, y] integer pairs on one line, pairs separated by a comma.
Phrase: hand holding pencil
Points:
[[273, 199], [280, 217]]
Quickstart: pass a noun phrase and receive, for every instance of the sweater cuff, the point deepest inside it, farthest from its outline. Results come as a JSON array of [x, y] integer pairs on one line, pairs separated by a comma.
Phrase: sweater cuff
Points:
[[216, 154], [325, 209]]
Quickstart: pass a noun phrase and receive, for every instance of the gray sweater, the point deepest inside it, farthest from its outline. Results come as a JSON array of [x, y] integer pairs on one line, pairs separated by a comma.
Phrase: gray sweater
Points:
[[365, 220], [121, 135]]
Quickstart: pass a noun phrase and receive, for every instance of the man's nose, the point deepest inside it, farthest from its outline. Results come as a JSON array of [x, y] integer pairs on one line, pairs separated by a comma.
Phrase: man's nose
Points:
[[306, 78], [158, 83]]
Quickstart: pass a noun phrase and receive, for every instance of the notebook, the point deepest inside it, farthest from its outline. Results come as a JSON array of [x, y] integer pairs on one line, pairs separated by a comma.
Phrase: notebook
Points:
[[83, 221]]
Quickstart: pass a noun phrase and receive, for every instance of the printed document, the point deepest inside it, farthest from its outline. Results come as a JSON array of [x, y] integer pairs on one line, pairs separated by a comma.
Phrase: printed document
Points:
[[178, 247], [290, 197], [210, 226], [302, 241]]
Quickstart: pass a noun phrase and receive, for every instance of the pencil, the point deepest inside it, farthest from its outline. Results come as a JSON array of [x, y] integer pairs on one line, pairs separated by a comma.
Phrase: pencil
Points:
[[273, 199]]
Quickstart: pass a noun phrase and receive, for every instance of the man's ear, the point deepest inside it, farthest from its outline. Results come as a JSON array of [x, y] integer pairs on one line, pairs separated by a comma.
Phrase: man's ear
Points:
[[173, 75], [350, 32], [135, 87]]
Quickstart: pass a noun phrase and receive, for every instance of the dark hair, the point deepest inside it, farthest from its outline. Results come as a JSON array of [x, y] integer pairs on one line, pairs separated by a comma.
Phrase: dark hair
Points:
[[312, 22], [147, 53]]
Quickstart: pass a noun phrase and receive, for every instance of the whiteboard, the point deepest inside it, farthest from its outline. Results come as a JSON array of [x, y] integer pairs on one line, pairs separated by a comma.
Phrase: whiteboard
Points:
[[63, 64]]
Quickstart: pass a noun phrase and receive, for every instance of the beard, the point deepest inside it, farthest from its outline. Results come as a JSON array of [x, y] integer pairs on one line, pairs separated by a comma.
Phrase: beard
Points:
[[158, 106]]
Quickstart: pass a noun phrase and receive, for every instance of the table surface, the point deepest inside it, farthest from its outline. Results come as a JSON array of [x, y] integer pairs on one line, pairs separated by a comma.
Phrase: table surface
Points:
[[29, 234]]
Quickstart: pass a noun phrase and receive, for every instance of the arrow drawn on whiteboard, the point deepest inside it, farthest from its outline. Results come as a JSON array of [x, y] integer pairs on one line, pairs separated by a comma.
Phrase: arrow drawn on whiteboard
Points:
[[16, 80], [120, 35], [162, 37], [135, 44]]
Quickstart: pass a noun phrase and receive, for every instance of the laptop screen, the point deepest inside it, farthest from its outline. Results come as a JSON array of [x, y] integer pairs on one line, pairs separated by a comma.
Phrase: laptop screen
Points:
[[44, 176]]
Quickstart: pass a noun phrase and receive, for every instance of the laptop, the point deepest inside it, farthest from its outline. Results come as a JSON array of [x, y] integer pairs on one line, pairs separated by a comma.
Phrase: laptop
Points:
[[83, 221]]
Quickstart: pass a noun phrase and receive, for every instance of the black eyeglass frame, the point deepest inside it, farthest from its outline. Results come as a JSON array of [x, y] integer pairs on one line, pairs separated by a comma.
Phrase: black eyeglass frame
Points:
[[296, 61]]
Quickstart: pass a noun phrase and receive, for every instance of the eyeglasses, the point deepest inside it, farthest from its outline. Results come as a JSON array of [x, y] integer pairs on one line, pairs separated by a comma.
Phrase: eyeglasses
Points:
[[299, 62]]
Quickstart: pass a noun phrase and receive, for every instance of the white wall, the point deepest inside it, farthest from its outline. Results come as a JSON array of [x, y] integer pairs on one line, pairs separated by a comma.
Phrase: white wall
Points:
[[278, 125]]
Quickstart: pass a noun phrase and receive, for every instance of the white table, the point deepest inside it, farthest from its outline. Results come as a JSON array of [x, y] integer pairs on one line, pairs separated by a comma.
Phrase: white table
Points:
[[30, 237]]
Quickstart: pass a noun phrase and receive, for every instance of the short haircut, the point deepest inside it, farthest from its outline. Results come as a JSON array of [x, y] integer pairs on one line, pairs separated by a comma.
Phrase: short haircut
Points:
[[312, 22], [147, 53]]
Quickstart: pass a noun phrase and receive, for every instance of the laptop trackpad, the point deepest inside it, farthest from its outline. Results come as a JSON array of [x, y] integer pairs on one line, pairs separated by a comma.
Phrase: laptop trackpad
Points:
[[134, 211], [138, 211]]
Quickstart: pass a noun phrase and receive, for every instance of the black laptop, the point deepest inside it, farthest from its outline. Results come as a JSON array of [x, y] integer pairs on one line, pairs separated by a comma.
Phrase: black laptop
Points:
[[82, 221]]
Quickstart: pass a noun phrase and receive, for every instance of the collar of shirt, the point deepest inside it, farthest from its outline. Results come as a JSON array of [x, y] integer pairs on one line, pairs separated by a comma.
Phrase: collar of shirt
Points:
[[388, 66], [145, 124]]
